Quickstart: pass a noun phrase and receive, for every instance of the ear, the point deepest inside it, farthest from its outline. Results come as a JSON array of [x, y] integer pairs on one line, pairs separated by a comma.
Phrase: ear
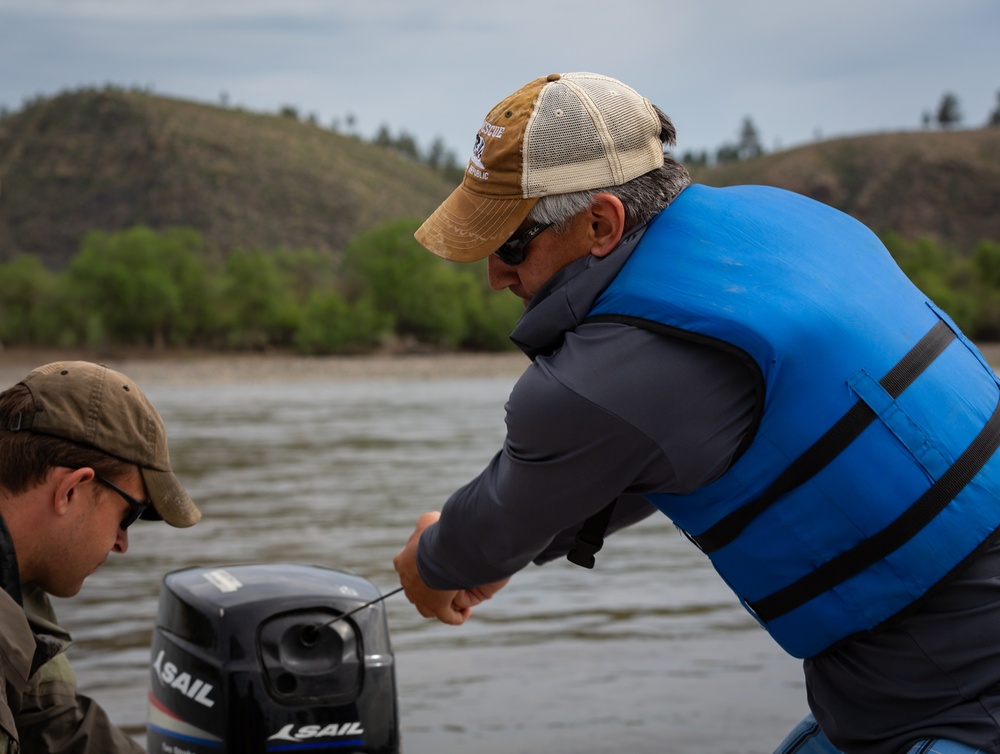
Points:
[[66, 488], [607, 224]]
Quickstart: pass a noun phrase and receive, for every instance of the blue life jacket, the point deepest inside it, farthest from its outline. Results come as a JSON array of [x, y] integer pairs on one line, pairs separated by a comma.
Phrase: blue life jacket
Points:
[[870, 474]]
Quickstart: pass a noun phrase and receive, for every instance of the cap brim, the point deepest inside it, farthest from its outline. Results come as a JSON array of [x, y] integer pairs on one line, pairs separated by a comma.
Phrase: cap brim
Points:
[[171, 500], [469, 226]]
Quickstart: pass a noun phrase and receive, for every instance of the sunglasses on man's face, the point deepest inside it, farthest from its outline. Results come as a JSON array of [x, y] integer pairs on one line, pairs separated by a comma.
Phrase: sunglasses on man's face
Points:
[[136, 508], [514, 249]]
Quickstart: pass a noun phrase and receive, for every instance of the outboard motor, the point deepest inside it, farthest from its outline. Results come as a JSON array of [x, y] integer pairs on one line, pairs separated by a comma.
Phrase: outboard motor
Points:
[[255, 658]]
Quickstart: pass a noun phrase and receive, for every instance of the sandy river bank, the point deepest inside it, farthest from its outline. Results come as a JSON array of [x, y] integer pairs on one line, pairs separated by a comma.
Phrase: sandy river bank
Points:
[[149, 368], [190, 368]]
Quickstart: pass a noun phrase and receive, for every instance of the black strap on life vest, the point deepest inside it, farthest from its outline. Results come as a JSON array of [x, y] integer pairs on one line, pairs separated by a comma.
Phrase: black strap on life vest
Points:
[[831, 444], [590, 538], [892, 537]]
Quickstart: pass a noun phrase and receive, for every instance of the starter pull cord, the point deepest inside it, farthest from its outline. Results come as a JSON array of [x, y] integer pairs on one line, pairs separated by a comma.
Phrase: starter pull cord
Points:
[[310, 633]]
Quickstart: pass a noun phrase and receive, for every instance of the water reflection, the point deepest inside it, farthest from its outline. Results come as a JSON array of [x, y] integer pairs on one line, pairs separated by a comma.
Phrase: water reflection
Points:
[[648, 653]]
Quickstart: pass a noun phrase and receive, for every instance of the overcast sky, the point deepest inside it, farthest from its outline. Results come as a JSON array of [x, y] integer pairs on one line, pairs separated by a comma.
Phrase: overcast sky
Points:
[[800, 69]]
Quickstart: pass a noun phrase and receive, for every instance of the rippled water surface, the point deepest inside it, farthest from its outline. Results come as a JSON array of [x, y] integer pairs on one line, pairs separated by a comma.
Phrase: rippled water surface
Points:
[[647, 653]]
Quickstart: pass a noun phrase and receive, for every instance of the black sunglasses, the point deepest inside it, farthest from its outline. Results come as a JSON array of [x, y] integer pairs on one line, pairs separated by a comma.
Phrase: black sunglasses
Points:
[[514, 249], [136, 508]]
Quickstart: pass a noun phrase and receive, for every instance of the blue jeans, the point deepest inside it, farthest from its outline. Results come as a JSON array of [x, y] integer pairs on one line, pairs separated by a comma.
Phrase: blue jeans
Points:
[[807, 738]]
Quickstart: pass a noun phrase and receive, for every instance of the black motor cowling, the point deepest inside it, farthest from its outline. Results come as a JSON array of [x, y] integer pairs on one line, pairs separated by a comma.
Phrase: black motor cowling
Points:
[[250, 659]]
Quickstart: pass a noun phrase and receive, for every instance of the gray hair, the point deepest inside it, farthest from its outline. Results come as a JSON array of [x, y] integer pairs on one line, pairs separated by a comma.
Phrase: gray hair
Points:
[[643, 197]]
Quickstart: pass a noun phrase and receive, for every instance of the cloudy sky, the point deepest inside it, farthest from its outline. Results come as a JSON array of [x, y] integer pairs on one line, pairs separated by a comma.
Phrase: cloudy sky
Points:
[[801, 70]]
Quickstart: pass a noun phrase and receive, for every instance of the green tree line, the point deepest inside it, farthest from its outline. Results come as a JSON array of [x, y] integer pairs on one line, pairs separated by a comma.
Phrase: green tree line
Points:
[[155, 289], [966, 286]]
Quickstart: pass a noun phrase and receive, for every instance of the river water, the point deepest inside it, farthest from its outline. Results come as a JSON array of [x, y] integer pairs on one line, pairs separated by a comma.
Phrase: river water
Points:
[[649, 652]]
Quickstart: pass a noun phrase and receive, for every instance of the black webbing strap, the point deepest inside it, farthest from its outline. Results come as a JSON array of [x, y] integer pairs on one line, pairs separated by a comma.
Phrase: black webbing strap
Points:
[[20, 420], [893, 536], [832, 443], [590, 538]]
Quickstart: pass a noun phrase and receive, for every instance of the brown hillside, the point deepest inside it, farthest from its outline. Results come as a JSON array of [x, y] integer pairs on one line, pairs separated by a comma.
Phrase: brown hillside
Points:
[[943, 185], [112, 159]]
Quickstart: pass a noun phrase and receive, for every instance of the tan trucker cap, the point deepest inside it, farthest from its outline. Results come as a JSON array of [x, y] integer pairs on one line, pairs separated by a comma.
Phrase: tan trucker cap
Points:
[[555, 135]]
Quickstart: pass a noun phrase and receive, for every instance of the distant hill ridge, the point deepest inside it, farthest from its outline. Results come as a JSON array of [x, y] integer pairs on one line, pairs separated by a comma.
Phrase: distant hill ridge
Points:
[[112, 159], [944, 185]]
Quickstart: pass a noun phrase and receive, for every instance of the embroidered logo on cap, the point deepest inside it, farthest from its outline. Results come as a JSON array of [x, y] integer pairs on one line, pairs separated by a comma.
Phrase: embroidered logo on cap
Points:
[[477, 152]]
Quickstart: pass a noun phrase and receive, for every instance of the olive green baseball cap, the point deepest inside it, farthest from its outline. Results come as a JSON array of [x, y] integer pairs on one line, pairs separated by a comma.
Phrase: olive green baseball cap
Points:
[[93, 405]]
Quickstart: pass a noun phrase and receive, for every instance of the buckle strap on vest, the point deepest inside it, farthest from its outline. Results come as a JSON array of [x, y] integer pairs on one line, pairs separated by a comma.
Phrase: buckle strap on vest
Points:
[[832, 443], [590, 538], [892, 537]]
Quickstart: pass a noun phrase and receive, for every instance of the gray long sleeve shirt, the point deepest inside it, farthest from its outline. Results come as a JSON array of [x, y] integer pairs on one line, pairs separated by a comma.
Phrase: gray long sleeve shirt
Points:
[[604, 410]]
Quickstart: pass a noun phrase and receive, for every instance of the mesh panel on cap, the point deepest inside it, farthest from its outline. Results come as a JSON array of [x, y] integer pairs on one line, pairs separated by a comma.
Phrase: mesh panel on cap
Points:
[[589, 132]]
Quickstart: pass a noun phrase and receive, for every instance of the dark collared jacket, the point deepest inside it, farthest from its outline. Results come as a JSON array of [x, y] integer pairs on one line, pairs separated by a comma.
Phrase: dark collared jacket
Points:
[[41, 711]]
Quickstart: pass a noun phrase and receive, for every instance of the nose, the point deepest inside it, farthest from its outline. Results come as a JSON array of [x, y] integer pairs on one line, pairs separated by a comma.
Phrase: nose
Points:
[[500, 275], [121, 541]]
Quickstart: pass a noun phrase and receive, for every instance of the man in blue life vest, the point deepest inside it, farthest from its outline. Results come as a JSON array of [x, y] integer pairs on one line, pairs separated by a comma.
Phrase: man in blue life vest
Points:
[[754, 365], [83, 455]]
